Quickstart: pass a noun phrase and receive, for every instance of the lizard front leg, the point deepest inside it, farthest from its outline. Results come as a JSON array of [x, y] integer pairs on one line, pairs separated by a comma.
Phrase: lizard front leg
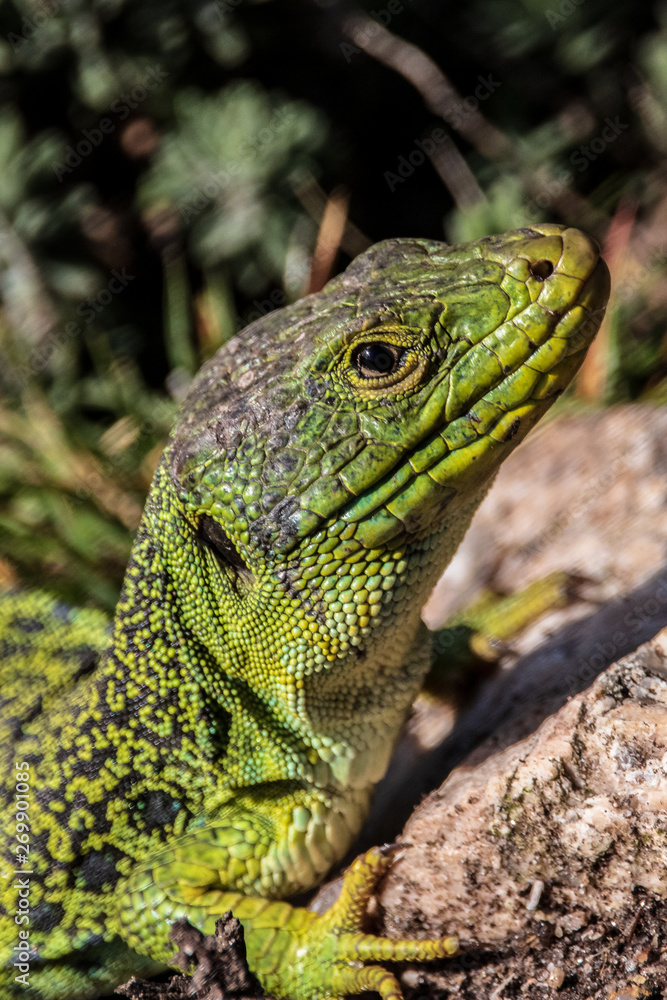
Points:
[[295, 953]]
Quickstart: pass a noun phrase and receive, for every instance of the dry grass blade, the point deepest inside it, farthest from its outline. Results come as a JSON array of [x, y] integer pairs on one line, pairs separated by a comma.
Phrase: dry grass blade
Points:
[[314, 200], [592, 379], [51, 461], [329, 237]]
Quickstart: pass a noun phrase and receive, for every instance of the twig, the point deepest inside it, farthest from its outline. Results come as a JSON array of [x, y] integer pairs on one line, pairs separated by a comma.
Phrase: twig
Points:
[[440, 97], [439, 93]]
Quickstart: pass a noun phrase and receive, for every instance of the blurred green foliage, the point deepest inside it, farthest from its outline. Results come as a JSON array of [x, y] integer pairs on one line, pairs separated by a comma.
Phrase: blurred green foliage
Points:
[[164, 169]]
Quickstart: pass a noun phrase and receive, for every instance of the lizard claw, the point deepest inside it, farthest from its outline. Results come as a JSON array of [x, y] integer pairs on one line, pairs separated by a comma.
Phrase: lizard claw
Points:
[[330, 962], [392, 850]]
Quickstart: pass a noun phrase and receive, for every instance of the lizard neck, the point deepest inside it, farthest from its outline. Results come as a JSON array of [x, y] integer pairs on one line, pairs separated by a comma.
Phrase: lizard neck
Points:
[[202, 661]]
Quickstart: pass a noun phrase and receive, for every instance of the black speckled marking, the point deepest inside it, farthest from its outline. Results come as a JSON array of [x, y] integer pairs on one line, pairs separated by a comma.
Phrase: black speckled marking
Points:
[[159, 809], [99, 868]]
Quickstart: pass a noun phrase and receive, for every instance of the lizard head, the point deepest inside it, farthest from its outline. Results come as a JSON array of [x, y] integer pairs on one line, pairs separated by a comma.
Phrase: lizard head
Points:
[[361, 426], [384, 401]]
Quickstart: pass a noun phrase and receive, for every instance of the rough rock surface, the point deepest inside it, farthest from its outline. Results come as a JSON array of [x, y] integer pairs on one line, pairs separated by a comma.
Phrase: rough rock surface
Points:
[[565, 831], [580, 806]]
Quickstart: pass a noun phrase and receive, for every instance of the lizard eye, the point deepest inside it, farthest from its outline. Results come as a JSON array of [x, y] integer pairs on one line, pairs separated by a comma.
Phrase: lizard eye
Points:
[[376, 360]]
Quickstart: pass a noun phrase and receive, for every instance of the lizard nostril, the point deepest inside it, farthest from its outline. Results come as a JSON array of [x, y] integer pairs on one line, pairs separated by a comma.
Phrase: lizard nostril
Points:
[[541, 269]]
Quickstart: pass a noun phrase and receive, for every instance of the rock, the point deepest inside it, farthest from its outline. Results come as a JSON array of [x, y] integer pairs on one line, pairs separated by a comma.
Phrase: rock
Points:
[[580, 806], [565, 830]]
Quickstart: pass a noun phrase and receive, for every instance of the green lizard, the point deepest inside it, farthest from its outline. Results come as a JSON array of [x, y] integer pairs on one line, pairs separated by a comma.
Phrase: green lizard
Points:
[[218, 748]]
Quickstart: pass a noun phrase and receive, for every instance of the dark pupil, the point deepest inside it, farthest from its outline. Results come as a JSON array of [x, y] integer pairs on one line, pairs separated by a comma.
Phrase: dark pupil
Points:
[[376, 358]]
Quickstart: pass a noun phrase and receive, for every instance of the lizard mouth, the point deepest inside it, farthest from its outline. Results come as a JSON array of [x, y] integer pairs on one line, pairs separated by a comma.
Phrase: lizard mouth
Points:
[[498, 388]]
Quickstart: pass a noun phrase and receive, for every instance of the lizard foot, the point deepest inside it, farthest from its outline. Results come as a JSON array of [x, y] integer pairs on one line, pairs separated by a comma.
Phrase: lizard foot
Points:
[[327, 960]]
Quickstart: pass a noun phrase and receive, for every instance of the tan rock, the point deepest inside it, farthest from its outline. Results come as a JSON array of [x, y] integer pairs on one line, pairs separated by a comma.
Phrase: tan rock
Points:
[[578, 810]]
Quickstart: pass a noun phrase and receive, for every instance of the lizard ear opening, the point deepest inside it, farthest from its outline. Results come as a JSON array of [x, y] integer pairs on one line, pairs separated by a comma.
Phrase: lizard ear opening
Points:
[[214, 538]]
